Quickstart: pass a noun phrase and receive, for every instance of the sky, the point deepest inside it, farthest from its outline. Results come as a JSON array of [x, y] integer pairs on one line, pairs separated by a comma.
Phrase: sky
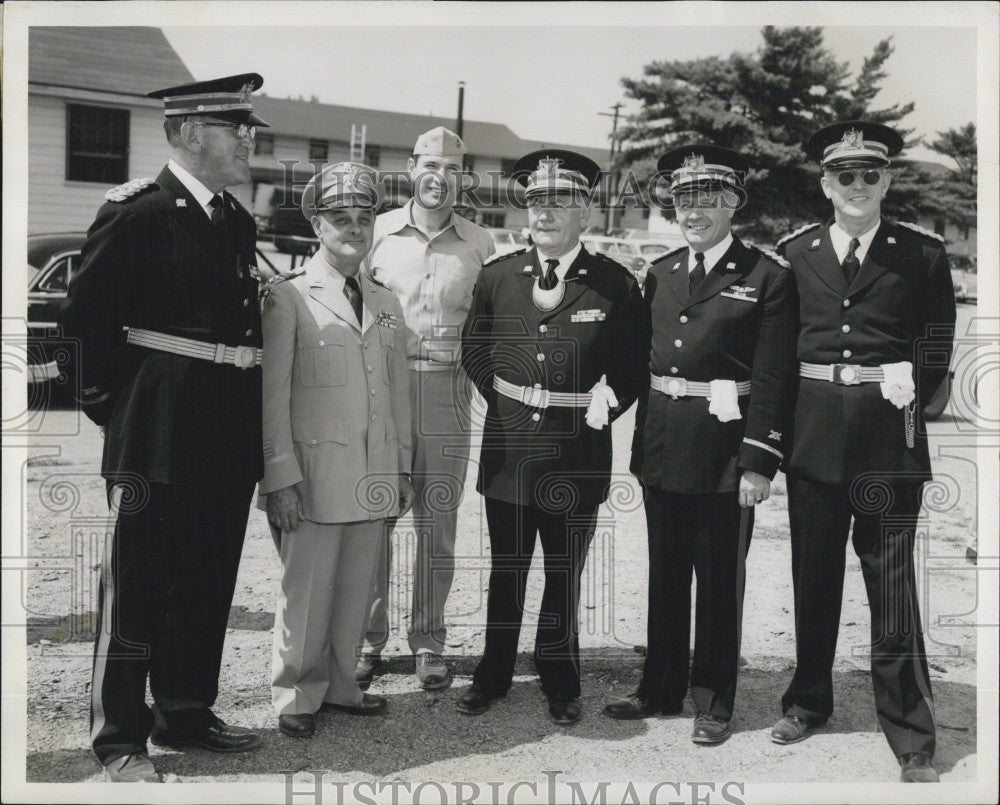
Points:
[[550, 83]]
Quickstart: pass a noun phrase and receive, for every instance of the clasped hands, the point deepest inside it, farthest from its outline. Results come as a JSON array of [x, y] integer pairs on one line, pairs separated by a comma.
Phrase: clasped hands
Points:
[[285, 511]]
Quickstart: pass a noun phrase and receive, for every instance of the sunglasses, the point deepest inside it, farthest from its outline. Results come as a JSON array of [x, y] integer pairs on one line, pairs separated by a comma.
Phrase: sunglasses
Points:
[[871, 177], [242, 129]]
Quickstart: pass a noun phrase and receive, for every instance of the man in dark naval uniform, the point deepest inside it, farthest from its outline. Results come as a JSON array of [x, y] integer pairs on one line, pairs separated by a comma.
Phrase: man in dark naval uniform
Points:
[[165, 310], [708, 435], [553, 342], [877, 315]]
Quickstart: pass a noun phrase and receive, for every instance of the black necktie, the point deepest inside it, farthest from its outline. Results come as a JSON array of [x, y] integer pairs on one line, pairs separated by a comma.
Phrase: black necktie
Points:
[[549, 278], [218, 210], [353, 293], [851, 266], [697, 273]]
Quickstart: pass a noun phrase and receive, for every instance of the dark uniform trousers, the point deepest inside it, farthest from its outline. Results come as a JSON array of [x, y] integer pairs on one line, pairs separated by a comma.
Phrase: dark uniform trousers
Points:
[[565, 539], [700, 532], [820, 516], [166, 586]]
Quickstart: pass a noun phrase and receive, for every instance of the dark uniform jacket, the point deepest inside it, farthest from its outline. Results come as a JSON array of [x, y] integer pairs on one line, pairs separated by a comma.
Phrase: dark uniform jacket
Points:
[[900, 307], [550, 457], [154, 260], [738, 325]]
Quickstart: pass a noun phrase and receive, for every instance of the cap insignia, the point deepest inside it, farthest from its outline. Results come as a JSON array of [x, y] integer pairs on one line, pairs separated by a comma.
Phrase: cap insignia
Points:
[[853, 138], [245, 92], [549, 167], [694, 161]]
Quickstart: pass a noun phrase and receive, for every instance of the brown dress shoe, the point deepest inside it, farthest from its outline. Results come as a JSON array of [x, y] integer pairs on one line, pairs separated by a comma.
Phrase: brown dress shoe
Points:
[[790, 730], [297, 725], [371, 705], [134, 768], [564, 709], [432, 673], [709, 729], [917, 768]]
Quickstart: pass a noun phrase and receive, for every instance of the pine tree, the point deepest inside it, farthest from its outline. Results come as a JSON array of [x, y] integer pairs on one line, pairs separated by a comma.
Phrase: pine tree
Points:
[[766, 104], [953, 196]]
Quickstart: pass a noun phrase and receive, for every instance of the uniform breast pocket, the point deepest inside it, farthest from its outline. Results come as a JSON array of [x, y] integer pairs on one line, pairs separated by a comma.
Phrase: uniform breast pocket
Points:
[[320, 355]]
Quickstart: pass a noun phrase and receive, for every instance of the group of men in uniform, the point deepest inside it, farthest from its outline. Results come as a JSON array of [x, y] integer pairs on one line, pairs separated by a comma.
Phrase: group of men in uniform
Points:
[[346, 395]]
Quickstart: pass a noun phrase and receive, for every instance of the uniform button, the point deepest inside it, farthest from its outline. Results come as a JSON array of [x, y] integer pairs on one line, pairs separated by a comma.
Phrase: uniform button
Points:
[[684, 319], [540, 356], [536, 416], [678, 343], [538, 385], [372, 392], [673, 370], [374, 417], [847, 353], [369, 367], [249, 333], [427, 307], [846, 328], [364, 344], [847, 303], [542, 328], [312, 441], [246, 302], [427, 276], [322, 343]]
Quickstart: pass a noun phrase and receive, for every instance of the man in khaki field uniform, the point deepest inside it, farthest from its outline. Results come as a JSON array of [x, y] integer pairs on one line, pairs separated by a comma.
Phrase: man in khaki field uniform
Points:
[[430, 258], [336, 447]]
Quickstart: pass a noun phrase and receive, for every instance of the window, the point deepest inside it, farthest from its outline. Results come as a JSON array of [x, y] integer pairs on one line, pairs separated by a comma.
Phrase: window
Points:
[[373, 153], [493, 219], [56, 279], [263, 145], [96, 144], [318, 150], [507, 166]]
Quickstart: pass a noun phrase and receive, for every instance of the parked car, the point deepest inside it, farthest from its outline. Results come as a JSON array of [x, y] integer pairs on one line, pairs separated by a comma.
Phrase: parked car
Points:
[[507, 240], [53, 259], [964, 277], [634, 254]]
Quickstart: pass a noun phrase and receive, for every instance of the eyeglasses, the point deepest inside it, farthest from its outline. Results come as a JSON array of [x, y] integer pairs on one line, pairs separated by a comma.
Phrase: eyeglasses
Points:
[[871, 177], [241, 129]]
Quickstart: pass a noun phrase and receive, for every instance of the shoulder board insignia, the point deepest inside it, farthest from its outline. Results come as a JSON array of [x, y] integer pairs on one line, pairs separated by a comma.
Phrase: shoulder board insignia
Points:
[[376, 281], [498, 257], [921, 230], [267, 287], [777, 258], [129, 189], [796, 233], [671, 254]]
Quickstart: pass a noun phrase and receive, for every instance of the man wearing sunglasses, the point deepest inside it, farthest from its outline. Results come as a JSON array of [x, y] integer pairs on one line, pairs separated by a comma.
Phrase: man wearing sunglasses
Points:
[[165, 310], [877, 315]]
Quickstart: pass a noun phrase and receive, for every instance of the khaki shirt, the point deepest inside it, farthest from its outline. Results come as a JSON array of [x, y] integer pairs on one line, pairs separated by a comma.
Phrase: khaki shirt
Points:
[[433, 278]]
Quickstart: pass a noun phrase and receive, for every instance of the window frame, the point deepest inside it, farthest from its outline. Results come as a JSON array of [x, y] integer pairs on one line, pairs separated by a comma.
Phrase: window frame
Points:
[[75, 162]]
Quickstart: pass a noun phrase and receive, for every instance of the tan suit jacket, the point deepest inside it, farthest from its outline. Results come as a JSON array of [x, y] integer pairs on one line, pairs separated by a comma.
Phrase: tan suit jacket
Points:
[[336, 398]]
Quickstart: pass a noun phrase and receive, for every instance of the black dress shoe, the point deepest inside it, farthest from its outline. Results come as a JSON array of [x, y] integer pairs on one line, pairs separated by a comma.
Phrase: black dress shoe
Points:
[[371, 705], [564, 709], [629, 708], [297, 725], [475, 701], [219, 737], [709, 729], [364, 671], [791, 729], [917, 768]]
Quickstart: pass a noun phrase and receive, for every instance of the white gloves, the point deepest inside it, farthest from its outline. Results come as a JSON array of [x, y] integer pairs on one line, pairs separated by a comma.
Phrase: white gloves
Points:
[[898, 387], [723, 400], [602, 398]]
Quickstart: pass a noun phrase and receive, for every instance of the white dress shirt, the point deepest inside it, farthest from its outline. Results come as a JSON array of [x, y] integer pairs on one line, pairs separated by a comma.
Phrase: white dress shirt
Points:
[[842, 241], [201, 193], [712, 256], [565, 261]]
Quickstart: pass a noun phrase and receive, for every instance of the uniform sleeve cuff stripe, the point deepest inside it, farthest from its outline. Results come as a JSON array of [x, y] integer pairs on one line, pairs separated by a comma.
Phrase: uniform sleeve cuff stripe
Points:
[[763, 446]]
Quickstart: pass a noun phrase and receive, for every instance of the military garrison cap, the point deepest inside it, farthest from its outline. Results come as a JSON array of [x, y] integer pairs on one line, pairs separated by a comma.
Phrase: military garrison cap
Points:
[[226, 98], [439, 142], [854, 144]]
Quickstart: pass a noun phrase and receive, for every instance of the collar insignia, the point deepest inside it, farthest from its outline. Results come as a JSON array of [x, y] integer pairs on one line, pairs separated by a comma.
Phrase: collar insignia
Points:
[[815, 244], [181, 202], [890, 240]]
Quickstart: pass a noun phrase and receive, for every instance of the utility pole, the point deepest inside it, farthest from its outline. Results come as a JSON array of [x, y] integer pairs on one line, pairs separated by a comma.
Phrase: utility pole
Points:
[[461, 105], [609, 222]]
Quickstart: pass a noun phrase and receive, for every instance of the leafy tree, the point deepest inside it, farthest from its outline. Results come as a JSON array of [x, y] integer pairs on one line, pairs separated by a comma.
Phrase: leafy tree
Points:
[[766, 104], [953, 196]]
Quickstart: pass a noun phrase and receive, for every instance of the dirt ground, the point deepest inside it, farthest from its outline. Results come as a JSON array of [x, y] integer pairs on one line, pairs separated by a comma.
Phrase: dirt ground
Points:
[[424, 738]]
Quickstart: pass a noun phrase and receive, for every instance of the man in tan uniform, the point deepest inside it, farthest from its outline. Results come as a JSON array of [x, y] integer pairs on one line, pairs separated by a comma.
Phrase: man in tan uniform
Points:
[[337, 451], [430, 258]]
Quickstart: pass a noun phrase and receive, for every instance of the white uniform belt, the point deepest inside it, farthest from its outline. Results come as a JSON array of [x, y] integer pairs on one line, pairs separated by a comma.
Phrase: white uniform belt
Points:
[[541, 398], [843, 374], [423, 365], [679, 387], [241, 357]]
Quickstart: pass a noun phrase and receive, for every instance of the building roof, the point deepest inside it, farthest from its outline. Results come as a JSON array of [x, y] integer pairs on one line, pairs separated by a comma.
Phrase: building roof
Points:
[[393, 129], [123, 60]]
